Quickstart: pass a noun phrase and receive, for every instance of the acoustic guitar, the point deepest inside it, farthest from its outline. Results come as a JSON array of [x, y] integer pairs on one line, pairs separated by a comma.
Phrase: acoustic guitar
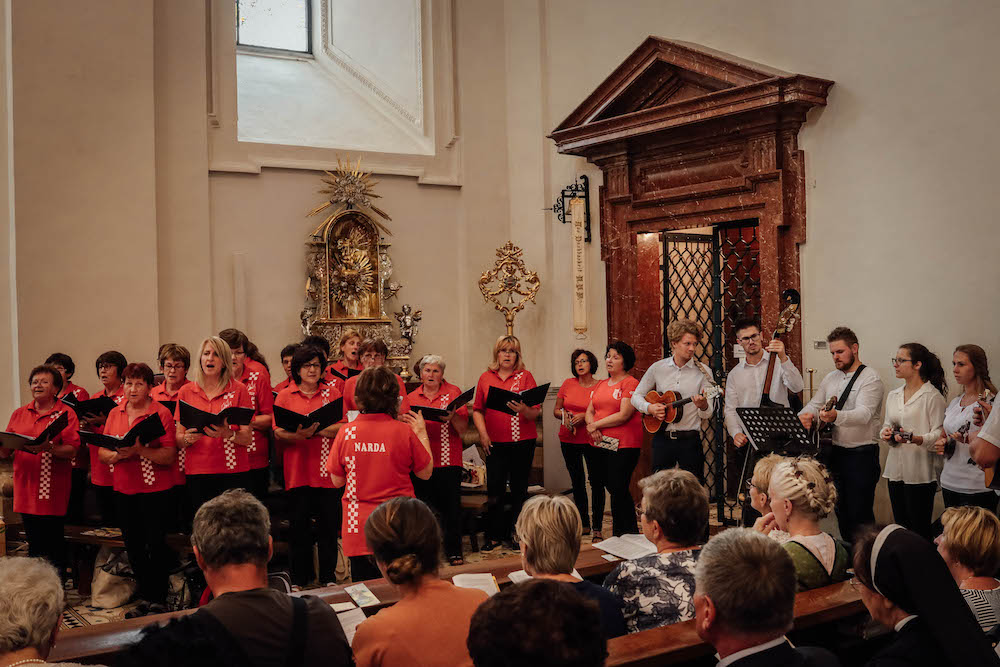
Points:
[[786, 320], [822, 432], [674, 403]]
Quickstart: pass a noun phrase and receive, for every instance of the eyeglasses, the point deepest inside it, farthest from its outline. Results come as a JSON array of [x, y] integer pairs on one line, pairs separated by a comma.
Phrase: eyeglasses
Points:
[[173, 367], [639, 512], [102, 367], [899, 362], [747, 339], [313, 365]]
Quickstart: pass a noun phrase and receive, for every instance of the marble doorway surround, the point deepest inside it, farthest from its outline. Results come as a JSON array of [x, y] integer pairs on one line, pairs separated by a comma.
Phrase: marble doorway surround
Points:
[[690, 137]]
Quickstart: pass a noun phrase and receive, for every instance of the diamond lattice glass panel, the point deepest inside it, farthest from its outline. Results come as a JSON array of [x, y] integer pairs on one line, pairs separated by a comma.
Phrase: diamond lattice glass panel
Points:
[[273, 24]]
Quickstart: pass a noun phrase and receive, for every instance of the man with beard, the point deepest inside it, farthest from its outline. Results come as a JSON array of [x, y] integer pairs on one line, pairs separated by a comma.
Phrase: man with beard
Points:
[[853, 460]]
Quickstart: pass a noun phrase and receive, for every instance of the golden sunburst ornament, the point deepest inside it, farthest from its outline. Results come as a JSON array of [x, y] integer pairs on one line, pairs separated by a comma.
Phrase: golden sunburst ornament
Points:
[[349, 186]]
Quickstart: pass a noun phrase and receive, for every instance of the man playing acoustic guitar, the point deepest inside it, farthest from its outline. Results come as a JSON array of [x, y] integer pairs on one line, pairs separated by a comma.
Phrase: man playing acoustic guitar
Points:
[[678, 443]]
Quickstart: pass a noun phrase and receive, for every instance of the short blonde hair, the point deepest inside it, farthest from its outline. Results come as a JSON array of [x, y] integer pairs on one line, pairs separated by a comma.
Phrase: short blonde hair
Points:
[[507, 342], [972, 537], [549, 528], [677, 329], [347, 335], [222, 349], [761, 479], [806, 483]]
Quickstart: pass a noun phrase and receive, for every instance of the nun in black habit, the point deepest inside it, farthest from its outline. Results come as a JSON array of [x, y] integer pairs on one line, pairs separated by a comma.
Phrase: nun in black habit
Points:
[[906, 586]]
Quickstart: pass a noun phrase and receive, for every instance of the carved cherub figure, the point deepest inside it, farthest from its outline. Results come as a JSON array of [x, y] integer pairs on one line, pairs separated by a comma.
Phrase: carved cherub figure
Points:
[[409, 322]]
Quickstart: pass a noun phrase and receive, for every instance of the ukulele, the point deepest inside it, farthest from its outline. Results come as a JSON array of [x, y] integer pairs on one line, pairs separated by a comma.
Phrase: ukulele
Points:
[[674, 403], [786, 320]]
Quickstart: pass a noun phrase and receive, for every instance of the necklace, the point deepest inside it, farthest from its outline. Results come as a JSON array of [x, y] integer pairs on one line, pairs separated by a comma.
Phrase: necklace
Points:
[[968, 579], [26, 661]]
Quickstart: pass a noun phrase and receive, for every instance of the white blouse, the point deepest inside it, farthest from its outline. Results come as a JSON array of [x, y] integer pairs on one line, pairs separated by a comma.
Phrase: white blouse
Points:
[[958, 474], [923, 415]]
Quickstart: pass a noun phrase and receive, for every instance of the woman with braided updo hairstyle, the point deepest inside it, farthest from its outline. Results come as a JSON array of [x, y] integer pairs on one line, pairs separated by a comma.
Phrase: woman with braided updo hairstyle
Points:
[[430, 623], [802, 493]]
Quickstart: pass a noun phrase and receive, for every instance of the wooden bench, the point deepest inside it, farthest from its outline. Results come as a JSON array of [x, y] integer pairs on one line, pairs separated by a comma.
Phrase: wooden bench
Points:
[[101, 643], [673, 644]]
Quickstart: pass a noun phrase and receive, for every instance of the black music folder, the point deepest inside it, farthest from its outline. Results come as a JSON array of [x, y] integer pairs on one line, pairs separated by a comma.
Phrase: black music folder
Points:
[[17, 441], [146, 431], [102, 405], [169, 405], [192, 417], [497, 398], [331, 413], [439, 414], [351, 372]]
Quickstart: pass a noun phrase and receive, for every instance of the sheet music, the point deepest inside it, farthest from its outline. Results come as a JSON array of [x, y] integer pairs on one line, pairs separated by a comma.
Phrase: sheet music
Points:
[[627, 547], [350, 620], [485, 582]]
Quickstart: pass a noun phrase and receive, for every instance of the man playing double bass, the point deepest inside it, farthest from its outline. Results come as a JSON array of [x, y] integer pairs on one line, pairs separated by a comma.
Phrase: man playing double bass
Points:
[[745, 383], [680, 443]]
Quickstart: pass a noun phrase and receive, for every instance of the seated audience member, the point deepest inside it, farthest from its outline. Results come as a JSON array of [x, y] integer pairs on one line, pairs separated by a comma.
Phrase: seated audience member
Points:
[[802, 493], [657, 589], [759, 483], [373, 457], [265, 627], [906, 586], [549, 529], [970, 547], [31, 606], [286, 365], [744, 602], [42, 476], [405, 538], [539, 622]]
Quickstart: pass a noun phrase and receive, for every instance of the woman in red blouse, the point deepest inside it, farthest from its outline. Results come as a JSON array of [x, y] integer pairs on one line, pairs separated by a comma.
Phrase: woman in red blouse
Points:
[[307, 483], [286, 365], [81, 463], [350, 353], [373, 353], [443, 491], [144, 476], [217, 460], [42, 478], [372, 457], [508, 440], [571, 409], [255, 376], [611, 415], [109, 370]]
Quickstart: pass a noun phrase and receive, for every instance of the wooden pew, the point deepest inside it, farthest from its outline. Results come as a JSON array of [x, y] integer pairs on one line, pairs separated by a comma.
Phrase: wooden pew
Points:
[[100, 643], [672, 644]]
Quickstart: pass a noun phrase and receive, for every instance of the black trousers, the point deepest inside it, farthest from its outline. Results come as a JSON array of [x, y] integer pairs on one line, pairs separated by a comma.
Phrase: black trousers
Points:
[[855, 472], [987, 499], [144, 519], [507, 462], [46, 539], [76, 512], [305, 503], [364, 568], [258, 480], [443, 492], [685, 452], [913, 505], [596, 468], [621, 464], [107, 506], [202, 488]]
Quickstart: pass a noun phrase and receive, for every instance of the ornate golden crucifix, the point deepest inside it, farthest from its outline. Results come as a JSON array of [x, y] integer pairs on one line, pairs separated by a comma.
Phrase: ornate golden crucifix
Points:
[[509, 273]]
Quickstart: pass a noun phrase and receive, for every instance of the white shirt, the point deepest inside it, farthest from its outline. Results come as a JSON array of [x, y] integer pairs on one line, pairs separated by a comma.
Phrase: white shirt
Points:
[[857, 424], [746, 382], [923, 415], [990, 432], [687, 380], [739, 655], [903, 621], [958, 474]]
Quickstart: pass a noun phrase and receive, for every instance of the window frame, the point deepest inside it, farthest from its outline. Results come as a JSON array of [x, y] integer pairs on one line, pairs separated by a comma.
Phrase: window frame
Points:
[[270, 50]]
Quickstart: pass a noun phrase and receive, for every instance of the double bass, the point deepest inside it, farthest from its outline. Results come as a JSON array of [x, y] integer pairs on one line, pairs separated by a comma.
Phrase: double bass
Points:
[[786, 320]]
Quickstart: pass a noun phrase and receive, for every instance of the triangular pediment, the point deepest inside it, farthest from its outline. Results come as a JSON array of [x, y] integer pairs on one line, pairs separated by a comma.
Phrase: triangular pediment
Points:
[[662, 72], [666, 87]]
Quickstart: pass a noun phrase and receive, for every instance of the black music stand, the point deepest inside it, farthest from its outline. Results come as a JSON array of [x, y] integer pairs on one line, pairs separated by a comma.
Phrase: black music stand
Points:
[[773, 429]]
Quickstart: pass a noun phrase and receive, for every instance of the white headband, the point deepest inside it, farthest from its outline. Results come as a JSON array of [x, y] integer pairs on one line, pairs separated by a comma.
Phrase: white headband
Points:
[[879, 541]]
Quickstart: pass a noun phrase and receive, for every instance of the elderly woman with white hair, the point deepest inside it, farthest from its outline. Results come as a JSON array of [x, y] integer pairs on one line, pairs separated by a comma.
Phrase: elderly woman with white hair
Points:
[[31, 604], [443, 491]]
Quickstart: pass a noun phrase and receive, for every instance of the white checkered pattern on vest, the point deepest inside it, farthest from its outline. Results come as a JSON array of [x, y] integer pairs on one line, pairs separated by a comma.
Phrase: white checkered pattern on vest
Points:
[[351, 494], [515, 420], [252, 388]]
